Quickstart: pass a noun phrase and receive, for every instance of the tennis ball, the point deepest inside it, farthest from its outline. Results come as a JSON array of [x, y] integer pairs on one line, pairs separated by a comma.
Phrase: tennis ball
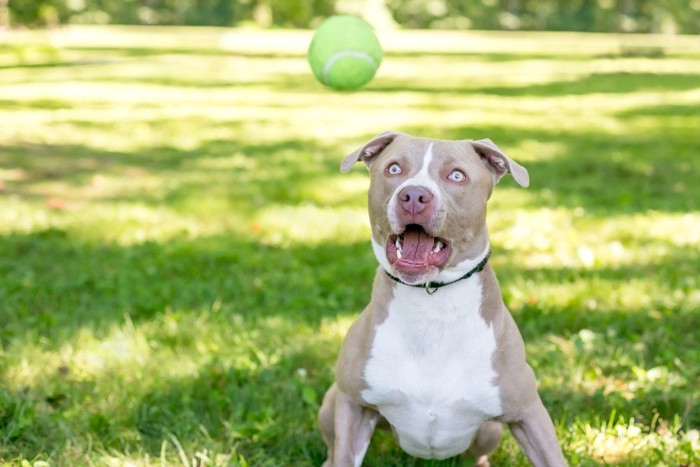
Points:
[[344, 53]]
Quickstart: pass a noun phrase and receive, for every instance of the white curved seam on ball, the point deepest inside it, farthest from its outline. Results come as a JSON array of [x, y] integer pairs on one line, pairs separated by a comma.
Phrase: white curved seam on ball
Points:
[[346, 53]]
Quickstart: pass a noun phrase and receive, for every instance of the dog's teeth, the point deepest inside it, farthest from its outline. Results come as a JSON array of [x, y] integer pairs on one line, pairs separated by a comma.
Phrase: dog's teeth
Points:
[[399, 253], [439, 246]]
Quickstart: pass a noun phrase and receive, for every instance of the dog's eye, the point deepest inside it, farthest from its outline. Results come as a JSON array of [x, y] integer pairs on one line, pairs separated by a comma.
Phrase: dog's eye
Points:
[[457, 176], [394, 169]]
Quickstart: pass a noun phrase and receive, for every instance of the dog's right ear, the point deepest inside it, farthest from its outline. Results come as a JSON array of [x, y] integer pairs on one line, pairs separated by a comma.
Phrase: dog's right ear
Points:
[[369, 151]]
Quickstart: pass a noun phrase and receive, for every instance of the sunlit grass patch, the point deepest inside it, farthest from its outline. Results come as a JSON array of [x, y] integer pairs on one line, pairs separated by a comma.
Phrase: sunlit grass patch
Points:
[[576, 239], [625, 442], [310, 225], [347, 189]]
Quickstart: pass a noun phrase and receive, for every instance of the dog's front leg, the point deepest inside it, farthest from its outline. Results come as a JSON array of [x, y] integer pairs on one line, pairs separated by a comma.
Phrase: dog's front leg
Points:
[[347, 428], [536, 436]]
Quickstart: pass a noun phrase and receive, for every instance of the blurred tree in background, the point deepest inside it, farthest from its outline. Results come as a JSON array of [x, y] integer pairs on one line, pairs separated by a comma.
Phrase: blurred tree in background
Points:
[[657, 16]]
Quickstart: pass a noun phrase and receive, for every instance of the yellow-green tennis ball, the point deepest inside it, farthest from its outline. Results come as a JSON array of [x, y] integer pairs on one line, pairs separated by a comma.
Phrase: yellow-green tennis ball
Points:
[[344, 53]]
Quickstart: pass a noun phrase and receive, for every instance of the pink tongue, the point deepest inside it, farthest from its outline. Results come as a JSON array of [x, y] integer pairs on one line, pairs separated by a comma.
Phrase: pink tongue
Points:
[[417, 246]]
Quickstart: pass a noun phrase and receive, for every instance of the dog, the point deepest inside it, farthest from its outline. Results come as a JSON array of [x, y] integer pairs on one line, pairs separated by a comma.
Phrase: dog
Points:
[[436, 353]]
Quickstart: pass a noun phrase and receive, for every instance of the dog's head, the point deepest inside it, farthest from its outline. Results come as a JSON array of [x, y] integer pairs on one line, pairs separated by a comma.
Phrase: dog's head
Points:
[[427, 202]]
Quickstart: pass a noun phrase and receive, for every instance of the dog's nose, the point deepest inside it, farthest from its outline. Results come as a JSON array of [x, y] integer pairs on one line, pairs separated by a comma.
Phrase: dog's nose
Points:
[[414, 199]]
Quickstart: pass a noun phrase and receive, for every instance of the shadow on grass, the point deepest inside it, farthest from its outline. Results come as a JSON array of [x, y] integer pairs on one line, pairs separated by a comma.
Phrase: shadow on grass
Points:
[[253, 175], [94, 286], [194, 51], [33, 104], [264, 414], [595, 83], [58, 64], [605, 83]]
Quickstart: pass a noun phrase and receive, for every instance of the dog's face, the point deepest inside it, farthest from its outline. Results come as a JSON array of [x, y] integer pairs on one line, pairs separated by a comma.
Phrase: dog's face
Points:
[[427, 200]]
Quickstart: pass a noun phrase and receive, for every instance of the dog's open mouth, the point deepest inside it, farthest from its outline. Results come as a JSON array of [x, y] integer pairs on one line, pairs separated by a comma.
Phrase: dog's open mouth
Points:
[[415, 252]]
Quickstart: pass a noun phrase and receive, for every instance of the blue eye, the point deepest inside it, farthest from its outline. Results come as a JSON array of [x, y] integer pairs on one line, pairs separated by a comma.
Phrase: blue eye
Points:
[[457, 176], [394, 169]]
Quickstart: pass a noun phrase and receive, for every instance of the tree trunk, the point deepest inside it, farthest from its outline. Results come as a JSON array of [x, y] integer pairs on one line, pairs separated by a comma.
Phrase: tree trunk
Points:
[[4, 14]]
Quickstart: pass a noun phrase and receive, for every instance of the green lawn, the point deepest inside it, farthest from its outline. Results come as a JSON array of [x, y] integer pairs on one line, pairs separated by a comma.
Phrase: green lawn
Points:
[[180, 257]]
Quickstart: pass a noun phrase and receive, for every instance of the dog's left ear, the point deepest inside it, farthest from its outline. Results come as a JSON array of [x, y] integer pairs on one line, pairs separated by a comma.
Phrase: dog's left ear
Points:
[[369, 151], [499, 163]]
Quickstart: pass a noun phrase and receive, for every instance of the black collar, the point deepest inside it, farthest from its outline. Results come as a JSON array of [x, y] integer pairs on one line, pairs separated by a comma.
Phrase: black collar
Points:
[[432, 287]]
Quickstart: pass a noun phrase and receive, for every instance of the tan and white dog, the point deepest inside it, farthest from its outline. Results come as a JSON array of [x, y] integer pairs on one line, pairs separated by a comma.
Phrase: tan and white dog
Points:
[[436, 352]]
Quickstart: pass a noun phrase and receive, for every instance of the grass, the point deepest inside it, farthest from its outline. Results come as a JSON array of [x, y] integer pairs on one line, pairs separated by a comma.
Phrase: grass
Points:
[[180, 258]]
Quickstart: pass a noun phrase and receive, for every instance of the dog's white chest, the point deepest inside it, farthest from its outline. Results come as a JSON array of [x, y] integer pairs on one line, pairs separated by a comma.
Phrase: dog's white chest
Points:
[[430, 371]]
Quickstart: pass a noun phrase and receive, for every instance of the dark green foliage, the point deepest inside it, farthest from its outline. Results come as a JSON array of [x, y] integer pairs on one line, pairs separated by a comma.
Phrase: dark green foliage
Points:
[[676, 16]]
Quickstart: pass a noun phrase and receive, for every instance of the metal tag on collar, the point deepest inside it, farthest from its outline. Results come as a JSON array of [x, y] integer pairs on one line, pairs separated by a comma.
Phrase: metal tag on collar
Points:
[[430, 288]]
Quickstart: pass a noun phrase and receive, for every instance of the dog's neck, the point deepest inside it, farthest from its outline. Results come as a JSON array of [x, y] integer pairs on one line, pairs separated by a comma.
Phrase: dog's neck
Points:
[[432, 286]]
